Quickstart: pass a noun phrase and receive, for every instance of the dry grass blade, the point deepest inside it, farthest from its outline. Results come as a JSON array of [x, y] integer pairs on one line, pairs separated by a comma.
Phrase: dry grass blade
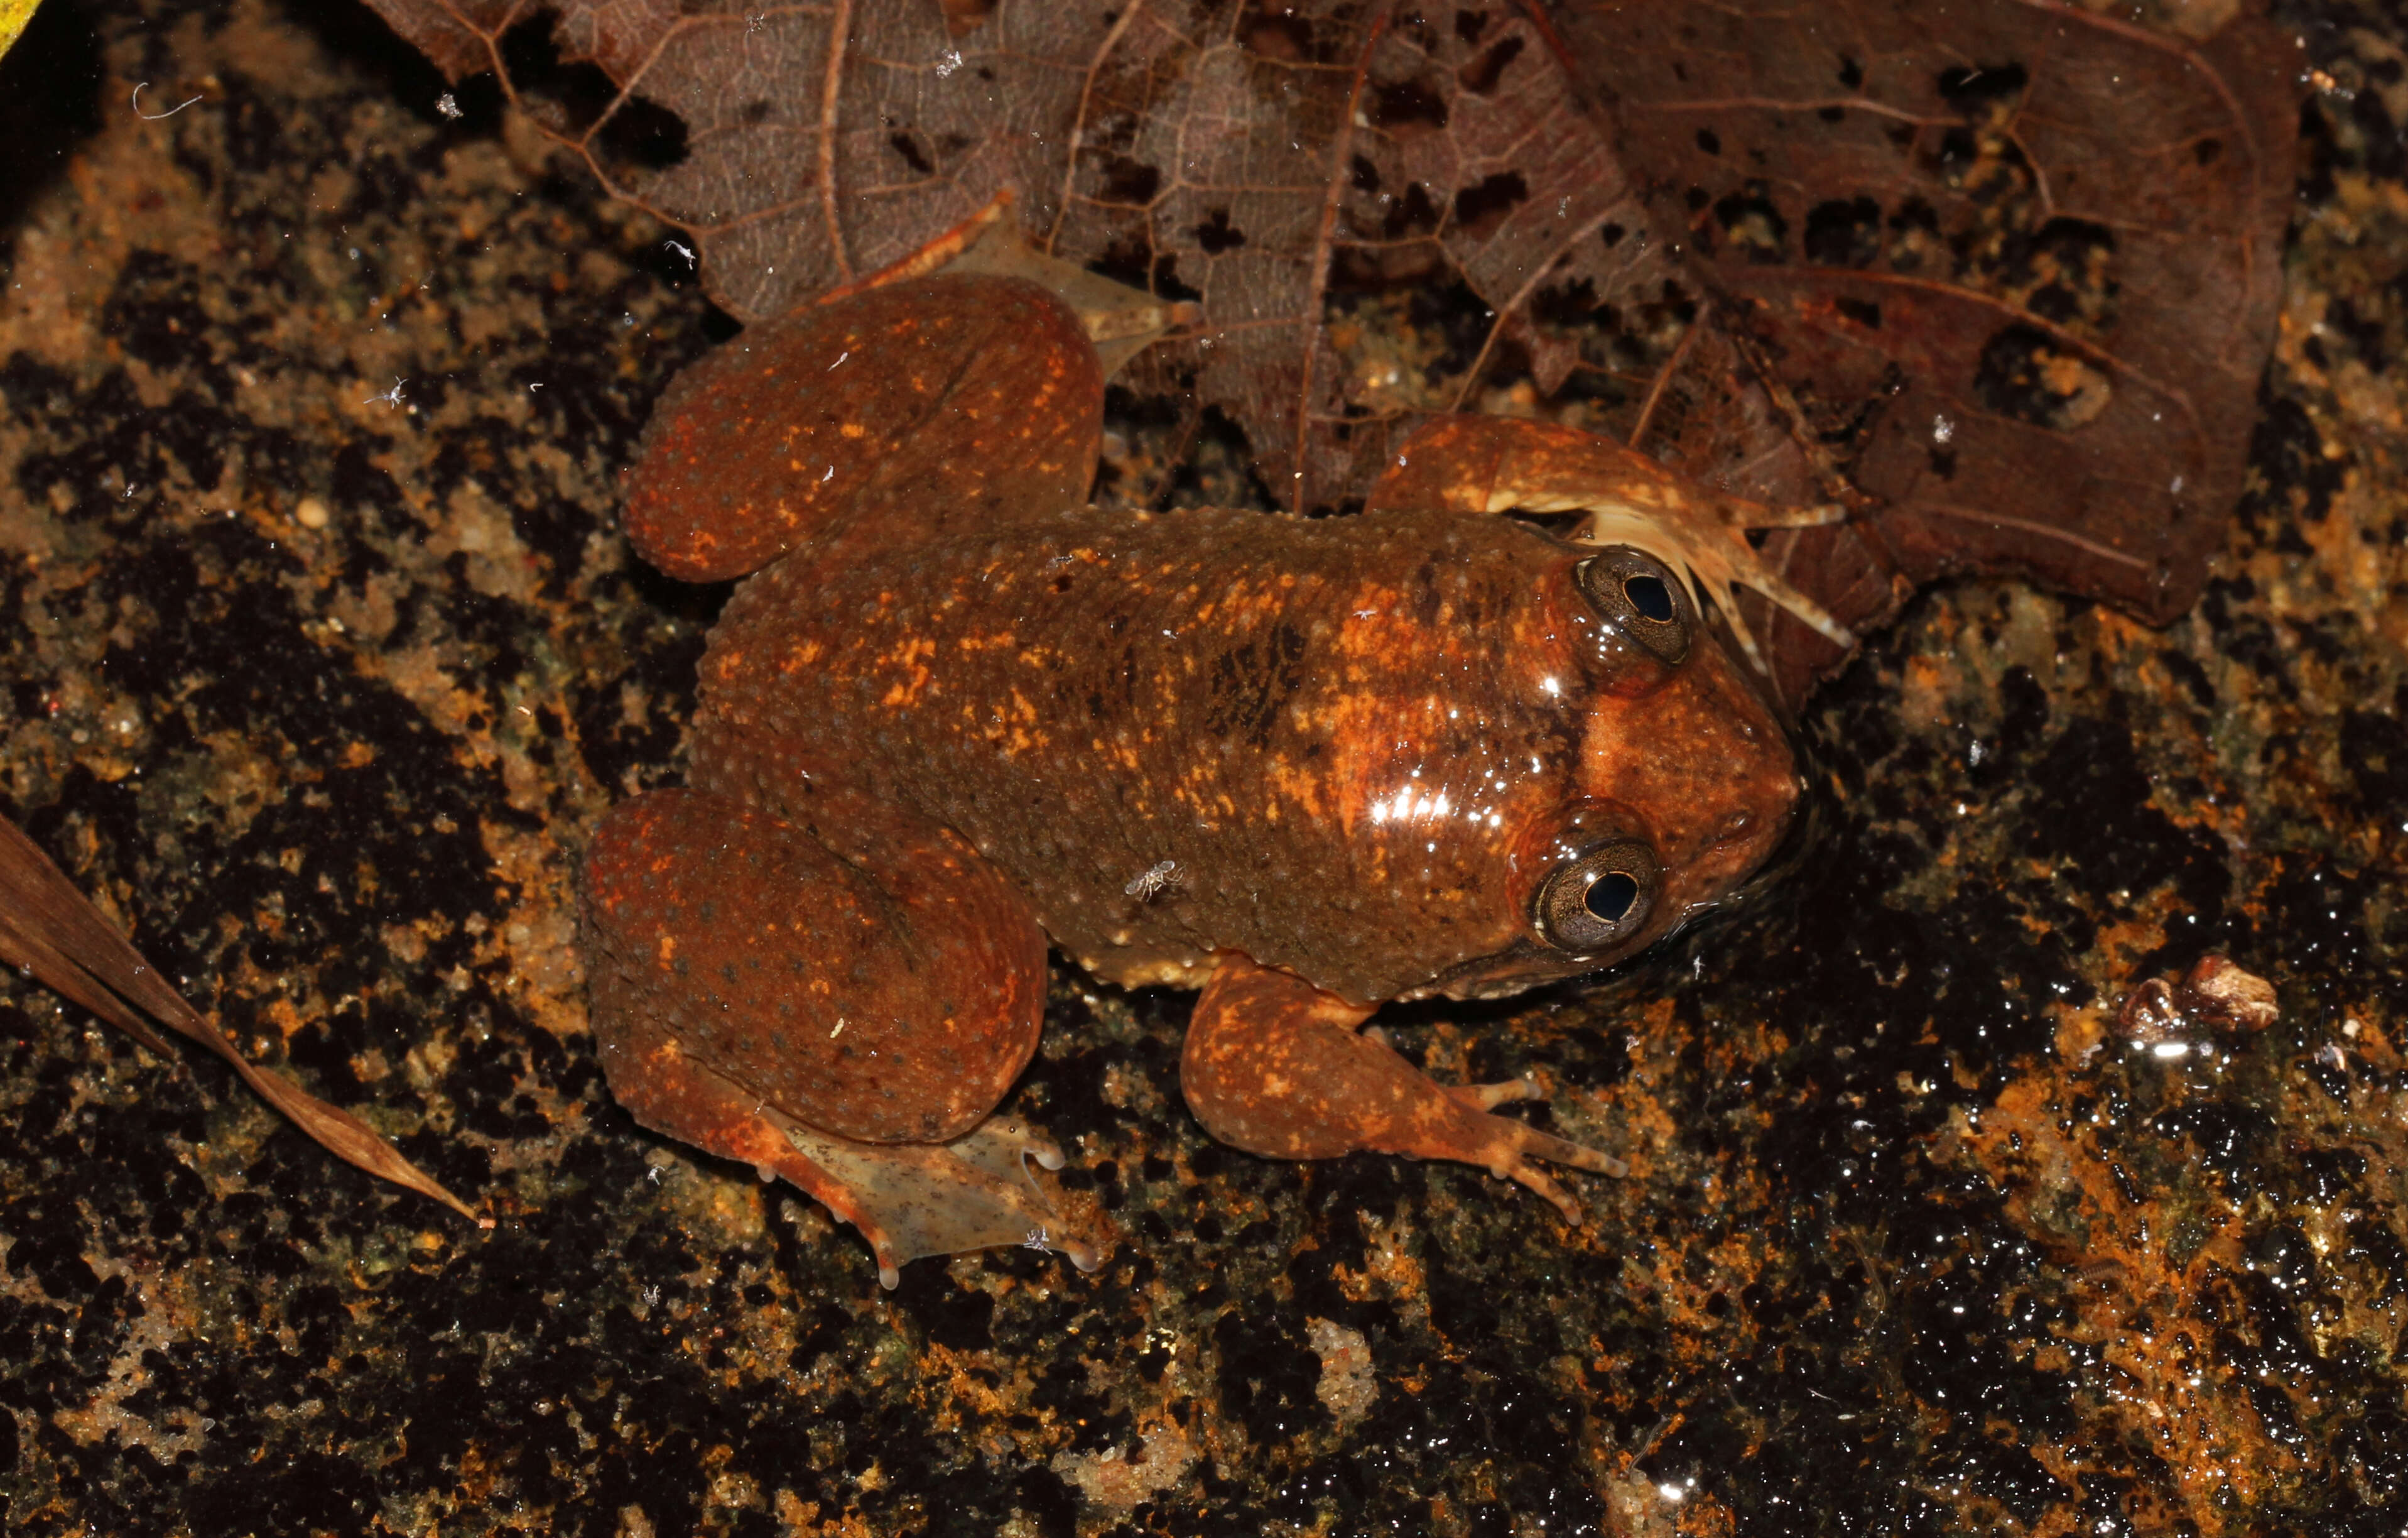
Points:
[[54, 931]]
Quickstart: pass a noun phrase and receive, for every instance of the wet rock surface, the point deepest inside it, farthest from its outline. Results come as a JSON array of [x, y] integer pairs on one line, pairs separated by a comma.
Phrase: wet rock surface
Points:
[[323, 652]]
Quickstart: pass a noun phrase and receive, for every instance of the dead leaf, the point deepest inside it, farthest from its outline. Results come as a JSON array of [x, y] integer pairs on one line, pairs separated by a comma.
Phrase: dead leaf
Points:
[[50, 930], [1275, 168], [2014, 275], [2003, 283], [14, 14]]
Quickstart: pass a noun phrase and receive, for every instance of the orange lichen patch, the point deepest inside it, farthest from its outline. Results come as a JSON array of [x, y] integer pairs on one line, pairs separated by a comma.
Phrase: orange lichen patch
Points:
[[2157, 1286], [1119, 1478], [1390, 1269], [534, 945], [1641, 1117], [430, 680]]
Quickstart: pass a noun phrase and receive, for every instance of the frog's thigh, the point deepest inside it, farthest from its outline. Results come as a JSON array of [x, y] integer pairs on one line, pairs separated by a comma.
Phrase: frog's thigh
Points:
[[1276, 1067], [850, 1030], [949, 402]]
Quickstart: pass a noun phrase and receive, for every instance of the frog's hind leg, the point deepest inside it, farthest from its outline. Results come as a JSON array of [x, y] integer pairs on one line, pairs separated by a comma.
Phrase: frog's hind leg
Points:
[[767, 1000], [957, 402], [1276, 1067], [908, 1200]]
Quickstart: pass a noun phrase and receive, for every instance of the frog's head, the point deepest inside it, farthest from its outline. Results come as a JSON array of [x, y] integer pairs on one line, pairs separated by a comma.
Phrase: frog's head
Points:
[[1681, 785]]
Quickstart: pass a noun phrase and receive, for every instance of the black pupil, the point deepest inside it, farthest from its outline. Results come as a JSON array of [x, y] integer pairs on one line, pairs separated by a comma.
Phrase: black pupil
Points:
[[1609, 896], [1651, 597]]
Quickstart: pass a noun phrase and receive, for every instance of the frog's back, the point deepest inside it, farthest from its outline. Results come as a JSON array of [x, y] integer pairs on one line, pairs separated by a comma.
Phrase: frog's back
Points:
[[1176, 734]]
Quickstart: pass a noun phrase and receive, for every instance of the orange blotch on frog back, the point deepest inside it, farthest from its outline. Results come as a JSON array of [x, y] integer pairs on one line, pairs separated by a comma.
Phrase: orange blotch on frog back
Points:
[[1297, 787], [803, 656], [910, 659]]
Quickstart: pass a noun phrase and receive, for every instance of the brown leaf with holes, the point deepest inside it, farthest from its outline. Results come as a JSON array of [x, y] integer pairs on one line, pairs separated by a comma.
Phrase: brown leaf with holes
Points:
[[2003, 283], [1286, 169], [2013, 276]]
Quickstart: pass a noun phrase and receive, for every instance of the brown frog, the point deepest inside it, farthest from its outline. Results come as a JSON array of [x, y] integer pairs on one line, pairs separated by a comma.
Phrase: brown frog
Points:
[[1308, 766]]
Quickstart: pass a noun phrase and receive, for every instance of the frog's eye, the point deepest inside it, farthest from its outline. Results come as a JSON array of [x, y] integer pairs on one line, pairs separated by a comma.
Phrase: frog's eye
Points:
[[1601, 899], [1638, 597]]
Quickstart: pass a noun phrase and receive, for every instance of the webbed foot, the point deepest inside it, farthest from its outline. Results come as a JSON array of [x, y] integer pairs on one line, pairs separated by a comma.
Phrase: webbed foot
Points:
[[915, 1199], [1121, 320]]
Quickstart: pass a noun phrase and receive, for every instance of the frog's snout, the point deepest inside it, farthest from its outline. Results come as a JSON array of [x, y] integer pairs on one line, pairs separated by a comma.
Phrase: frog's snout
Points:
[[1759, 797], [1738, 826], [1711, 769], [1749, 834]]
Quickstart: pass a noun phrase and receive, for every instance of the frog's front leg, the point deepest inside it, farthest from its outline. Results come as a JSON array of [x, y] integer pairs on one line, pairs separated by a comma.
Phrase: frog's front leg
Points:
[[846, 1019], [1279, 1068], [1483, 464]]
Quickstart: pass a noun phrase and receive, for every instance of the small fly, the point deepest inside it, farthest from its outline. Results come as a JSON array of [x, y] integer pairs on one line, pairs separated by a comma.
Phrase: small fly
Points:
[[1154, 880]]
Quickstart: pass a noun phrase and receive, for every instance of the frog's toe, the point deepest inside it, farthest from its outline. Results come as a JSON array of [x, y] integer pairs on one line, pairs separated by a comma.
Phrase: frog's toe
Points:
[[1488, 1097], [1575, 1156], [909, 1200], [1534, 1178], [1276, 1067], [1515, 1147], [1533, 1144]]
